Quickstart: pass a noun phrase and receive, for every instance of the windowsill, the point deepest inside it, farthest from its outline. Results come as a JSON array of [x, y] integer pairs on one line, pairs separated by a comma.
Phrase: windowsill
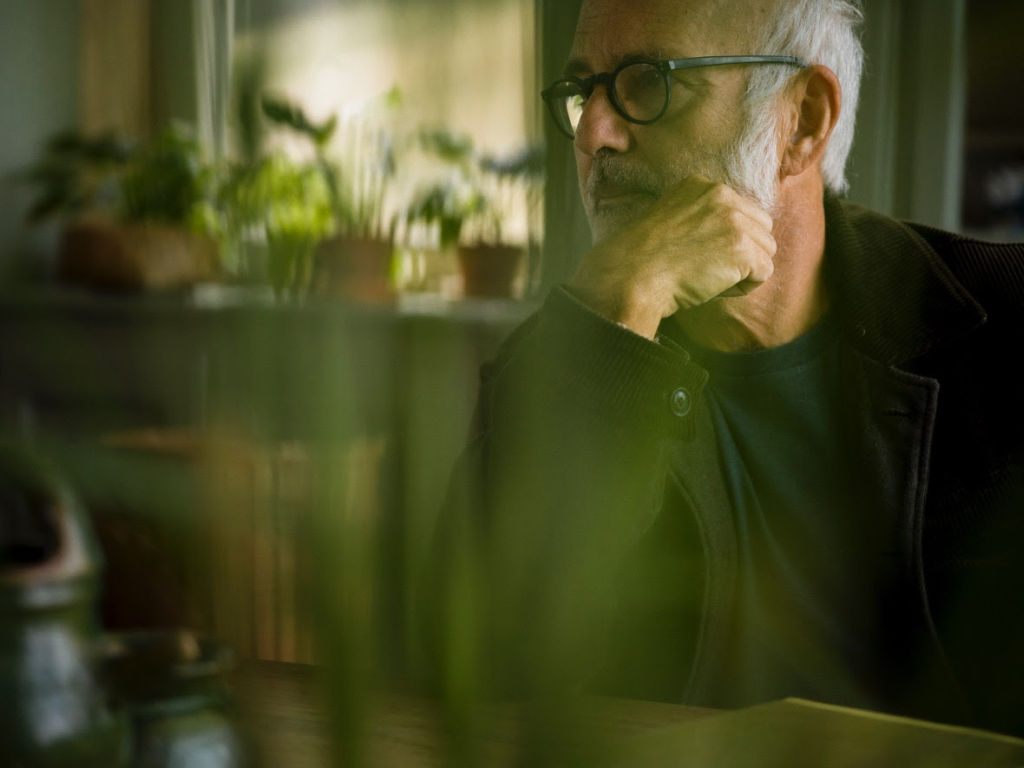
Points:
[[215, 297]]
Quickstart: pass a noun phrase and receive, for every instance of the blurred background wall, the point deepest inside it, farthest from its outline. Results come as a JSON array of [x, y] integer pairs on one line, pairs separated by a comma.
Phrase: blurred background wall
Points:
[[39, 91]]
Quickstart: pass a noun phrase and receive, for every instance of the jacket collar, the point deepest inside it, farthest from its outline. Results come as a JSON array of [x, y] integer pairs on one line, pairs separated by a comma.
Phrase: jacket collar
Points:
[[895, 296]]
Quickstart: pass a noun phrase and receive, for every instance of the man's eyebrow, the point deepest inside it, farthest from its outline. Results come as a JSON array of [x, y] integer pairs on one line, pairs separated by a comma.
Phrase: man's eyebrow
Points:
[[577, 67]]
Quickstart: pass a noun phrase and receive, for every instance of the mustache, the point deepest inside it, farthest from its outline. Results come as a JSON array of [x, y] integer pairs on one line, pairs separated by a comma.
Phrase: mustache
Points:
[[623, 176]]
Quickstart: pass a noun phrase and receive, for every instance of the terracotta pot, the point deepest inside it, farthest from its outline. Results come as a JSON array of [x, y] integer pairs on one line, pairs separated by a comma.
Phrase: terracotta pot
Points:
[[489, 270], [355, 268], [146, 256]]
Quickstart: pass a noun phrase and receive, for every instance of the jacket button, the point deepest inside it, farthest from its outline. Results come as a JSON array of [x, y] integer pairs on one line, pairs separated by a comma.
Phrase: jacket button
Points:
[[681, 402]]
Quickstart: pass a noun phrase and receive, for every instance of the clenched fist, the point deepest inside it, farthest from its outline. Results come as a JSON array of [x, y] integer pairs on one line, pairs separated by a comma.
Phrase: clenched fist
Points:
[[700, 241]]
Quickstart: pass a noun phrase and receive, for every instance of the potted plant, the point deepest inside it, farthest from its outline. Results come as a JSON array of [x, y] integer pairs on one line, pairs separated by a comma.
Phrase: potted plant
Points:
[[491, 259], [276, 210], [135, 217], [433, 215], [470, 207], [322, 222], [357, 261]]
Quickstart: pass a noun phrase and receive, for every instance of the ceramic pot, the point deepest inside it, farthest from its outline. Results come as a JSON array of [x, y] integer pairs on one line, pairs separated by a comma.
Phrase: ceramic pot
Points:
[[356, 268], [489, 270], [53, 704], [134, 257], [173, 685]]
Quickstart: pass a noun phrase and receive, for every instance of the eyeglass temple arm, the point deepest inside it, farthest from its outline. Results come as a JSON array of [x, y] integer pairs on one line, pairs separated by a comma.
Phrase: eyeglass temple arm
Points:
[[714, 61]]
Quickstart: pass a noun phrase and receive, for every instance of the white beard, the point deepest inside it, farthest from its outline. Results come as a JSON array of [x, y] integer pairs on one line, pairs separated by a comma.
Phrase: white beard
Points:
[[749, 164]]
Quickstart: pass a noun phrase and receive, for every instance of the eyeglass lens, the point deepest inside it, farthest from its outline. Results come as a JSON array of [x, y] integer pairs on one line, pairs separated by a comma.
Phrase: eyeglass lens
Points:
[[639, 91]]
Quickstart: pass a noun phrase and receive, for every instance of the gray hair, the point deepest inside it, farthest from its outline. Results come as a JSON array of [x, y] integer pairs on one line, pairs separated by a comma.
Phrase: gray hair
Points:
[[819, 32]]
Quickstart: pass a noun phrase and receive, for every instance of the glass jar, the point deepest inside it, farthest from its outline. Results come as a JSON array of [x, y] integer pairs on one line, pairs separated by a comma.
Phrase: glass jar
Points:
[[173, 686], [53, 706]]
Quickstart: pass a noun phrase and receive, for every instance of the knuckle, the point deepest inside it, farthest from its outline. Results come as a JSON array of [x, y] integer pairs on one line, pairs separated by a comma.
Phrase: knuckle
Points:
[[713, 197], [720, 194], [738, 241]]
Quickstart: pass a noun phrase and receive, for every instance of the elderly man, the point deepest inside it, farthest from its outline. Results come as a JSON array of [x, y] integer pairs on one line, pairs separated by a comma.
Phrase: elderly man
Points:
[[762, 443]]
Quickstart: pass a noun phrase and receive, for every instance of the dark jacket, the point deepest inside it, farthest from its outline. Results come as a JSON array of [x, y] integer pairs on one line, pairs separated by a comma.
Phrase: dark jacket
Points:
[[603, 545]]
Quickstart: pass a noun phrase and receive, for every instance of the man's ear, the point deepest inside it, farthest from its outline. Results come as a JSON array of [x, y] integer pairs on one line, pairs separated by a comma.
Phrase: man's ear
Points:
[[816, 98]]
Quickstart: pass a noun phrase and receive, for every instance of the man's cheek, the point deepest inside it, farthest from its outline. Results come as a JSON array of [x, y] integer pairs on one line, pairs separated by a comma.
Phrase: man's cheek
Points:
[[583, 167]]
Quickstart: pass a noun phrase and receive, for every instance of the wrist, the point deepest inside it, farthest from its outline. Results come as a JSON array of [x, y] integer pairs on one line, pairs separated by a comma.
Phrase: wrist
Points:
[[636, 315]]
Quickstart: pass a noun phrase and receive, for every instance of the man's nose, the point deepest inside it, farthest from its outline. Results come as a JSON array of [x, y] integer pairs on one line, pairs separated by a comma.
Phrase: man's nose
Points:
[[600, 126]]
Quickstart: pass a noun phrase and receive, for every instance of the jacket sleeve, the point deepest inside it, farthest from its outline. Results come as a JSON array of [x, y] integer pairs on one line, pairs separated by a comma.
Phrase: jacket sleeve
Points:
[[564, 471]]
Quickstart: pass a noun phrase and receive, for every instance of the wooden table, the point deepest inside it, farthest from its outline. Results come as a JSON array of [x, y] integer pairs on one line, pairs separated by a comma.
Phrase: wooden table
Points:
[[282, 713]]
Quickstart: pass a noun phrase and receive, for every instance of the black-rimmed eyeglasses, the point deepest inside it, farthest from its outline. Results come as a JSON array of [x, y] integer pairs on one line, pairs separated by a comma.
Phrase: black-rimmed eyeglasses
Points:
[[639, 90]]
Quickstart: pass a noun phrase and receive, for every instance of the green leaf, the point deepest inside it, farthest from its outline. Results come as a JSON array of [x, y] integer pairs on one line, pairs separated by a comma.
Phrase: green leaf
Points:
[[324, 132], [288, 114]]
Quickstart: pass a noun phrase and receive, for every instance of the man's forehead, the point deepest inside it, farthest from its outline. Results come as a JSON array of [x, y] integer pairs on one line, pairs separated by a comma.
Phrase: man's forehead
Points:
[[612, 29]]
